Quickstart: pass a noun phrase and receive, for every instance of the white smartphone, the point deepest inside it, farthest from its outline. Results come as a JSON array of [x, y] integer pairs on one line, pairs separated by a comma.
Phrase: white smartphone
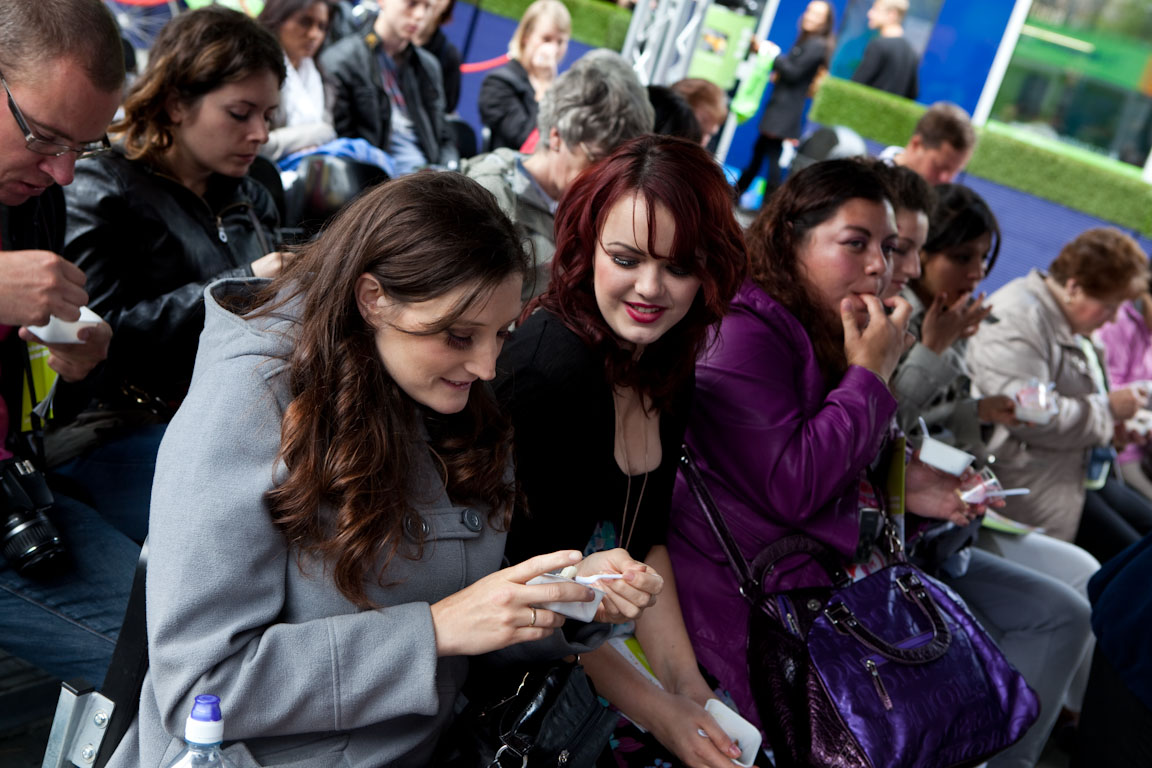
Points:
[[746, 735]]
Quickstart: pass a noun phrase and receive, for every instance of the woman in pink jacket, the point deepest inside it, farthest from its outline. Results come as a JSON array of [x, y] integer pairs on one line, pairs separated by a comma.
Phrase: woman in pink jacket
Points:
[[1127, 342]]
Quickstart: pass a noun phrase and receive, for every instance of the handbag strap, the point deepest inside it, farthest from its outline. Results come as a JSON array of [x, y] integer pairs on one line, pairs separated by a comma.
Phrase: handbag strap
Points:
[[750, 588], [797, 544], [521, 724], [845, 621], [838, 613], [752, 577]]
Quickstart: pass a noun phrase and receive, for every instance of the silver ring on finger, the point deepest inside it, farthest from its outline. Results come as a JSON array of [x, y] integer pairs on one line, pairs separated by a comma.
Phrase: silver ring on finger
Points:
[[533, 622]]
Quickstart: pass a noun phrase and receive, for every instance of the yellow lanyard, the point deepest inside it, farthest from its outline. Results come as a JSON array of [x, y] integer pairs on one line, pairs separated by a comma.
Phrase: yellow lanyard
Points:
[[43, 378]]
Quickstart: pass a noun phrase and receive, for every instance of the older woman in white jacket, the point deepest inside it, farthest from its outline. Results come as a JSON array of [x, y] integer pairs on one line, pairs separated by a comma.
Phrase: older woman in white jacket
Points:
[[1045, 319]]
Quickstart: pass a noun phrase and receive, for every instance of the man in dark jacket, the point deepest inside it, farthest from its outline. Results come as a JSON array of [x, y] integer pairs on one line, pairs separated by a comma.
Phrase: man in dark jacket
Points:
[[61, 62], [889, 62], [389, 91], [1116, 724]]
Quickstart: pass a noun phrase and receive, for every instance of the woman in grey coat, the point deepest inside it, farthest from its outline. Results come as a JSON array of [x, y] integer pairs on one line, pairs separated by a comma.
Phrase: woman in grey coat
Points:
[[331, 501]]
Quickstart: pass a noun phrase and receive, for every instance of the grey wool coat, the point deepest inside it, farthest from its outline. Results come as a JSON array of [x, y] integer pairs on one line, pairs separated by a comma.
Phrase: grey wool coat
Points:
[[305, 677], [1033, 339]]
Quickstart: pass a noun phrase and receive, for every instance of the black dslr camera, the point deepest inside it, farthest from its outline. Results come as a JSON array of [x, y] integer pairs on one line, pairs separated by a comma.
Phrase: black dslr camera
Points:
[[29, 540]]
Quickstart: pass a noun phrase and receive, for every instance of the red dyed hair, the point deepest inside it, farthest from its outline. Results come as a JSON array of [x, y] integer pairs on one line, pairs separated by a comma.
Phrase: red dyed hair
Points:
[[708, 243]]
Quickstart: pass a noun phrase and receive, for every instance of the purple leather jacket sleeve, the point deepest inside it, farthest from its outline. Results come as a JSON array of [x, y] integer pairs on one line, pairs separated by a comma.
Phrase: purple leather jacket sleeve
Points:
[[779, 452]]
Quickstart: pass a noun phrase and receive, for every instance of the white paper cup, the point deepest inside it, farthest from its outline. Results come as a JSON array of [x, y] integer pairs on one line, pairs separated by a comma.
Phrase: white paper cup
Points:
[[1141, 423], [944, 457], [59, 331], [573, 610], [1034, 415]]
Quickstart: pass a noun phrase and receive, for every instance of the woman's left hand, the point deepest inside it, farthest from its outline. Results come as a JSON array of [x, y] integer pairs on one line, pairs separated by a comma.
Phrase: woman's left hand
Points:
[[626, 598], [678, 727], [932, 494]]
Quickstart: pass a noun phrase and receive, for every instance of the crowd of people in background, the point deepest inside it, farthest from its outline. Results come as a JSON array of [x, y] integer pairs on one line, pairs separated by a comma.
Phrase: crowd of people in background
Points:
[[351, 455]]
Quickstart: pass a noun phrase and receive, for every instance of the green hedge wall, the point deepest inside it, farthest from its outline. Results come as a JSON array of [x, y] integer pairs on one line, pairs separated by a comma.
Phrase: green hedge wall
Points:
[[597, 23], [1073, 177]]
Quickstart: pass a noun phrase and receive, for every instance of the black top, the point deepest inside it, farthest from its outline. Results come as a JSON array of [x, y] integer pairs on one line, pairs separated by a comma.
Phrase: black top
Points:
[[360, 105], [148, 246], [449, 57], [37, 224], [561, 407], [795, 71], [508, 106], [890, 64]]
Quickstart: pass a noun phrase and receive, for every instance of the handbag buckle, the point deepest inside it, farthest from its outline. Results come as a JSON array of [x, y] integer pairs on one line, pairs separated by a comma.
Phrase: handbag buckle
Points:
[[496, 760], [840, 614], [910, 583]]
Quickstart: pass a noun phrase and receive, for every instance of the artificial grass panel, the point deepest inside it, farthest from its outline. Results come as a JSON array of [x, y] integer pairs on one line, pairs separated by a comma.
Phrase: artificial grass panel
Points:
[[594, 22], [872, 113], [1061, 175], [1073, 177]]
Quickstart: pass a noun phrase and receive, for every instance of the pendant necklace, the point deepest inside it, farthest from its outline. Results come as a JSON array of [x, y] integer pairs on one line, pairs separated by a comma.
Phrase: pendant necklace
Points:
[[626, 539]]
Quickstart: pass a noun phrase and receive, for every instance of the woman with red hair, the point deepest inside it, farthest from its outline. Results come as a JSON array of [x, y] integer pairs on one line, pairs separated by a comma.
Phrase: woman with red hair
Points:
[[598, 380]]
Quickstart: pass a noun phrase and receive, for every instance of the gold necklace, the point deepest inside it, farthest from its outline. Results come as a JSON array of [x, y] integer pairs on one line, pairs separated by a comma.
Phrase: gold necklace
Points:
[[627, 540]]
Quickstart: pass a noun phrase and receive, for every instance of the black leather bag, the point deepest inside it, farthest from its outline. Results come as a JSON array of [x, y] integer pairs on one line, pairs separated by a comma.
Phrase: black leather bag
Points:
[[550, 715]]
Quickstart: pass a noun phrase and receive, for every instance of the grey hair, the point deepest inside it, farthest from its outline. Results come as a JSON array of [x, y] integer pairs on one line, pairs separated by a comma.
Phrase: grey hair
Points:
[[35, 32], [599, 101]]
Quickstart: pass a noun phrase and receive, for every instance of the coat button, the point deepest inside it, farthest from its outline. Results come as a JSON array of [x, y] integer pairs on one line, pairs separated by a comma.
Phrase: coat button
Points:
[[415, 527], [471, 520]]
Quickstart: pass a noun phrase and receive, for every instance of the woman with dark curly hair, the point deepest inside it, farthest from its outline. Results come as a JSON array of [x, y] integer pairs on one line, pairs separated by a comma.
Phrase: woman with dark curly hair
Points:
[[331, 501], [599, 383], [791, 409]]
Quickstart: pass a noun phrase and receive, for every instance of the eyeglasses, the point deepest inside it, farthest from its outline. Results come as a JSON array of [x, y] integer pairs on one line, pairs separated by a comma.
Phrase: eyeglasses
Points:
[[42, 146]]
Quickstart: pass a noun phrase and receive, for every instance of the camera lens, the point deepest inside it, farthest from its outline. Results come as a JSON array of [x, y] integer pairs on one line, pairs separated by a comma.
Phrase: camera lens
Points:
[[31, 544]]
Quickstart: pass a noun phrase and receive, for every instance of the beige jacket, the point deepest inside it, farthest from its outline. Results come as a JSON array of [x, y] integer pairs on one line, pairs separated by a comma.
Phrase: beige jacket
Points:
[[1033, 339], [502, 173]]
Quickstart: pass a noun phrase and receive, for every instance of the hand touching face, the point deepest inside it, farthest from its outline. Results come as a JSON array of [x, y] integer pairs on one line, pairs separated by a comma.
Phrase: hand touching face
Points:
[[848, 255]]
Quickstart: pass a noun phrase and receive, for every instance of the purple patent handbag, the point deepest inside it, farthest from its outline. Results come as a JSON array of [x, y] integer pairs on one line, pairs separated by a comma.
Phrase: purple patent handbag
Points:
[[891, 671]]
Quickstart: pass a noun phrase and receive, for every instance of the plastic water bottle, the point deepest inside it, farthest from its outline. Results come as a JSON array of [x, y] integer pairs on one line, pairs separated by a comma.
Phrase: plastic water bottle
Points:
[[203, 733]]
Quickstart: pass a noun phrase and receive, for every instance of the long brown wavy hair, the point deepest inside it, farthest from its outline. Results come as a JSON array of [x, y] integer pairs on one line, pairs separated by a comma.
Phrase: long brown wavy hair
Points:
[[196, 53], [777, 237], [351, 439]]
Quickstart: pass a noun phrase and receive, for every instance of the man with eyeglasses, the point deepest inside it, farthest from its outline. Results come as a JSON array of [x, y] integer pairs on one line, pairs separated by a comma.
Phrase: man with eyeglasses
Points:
[[62, 74]]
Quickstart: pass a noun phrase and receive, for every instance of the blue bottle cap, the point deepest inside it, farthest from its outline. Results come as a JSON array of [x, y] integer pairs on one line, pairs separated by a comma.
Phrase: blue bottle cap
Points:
[[205, 725], [207, 708]]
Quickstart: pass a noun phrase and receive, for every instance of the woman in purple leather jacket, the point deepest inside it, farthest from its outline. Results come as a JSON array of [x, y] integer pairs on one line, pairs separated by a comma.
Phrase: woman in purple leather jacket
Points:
[[792, 404]]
